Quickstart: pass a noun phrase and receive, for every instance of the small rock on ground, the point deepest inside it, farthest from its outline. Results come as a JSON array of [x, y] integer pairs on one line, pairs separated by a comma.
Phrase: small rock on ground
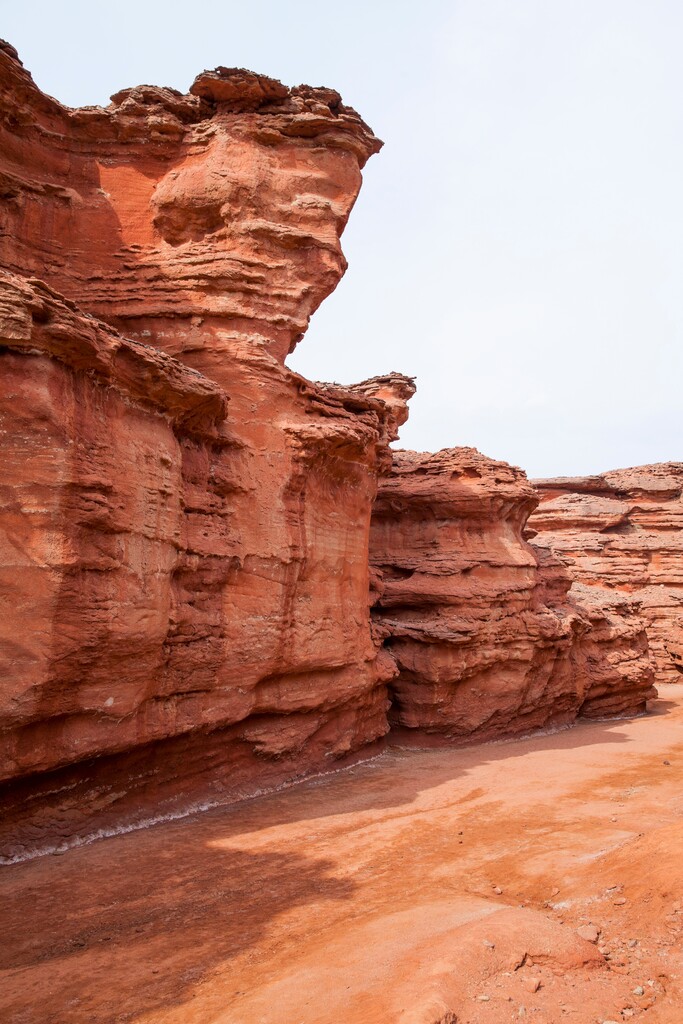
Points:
[[589, 932]]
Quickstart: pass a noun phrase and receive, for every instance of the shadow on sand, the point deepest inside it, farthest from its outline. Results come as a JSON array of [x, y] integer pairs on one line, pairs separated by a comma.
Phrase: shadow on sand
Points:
[[132, 924]]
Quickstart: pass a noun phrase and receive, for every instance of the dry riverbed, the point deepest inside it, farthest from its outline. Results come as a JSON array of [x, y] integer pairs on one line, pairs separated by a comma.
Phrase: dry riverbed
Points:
[[539, 880]]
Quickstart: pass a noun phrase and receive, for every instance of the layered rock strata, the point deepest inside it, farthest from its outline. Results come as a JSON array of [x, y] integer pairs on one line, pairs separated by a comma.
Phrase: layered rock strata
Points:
[[623, 531], [205, 223], [186, 601], [185, 523], [487, 636], [162, 617]]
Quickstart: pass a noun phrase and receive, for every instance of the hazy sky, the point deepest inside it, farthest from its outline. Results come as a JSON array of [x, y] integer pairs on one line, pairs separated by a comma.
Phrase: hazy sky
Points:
[[517, 245]]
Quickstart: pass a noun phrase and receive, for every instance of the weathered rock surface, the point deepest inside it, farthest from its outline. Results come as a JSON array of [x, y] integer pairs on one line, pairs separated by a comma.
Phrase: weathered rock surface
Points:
[[186, 611], [487, 636], [158, 604], [199, 223], [624, 531], [185, 523]]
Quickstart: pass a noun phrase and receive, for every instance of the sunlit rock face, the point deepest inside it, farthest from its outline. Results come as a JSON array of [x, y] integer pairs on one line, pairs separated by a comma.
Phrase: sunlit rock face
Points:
[[185, 523], [187, 587], [624, 531], [192, 221], [487, 636]]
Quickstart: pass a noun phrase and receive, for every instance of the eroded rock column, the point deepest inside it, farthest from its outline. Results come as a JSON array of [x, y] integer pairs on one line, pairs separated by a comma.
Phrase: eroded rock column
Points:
[[487, 637]]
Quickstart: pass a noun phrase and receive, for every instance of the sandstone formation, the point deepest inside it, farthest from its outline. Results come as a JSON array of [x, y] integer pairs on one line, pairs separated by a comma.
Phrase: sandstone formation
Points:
[[185, 522], [206, 224], [624, 531], [611, 663], [186, 601], [150, 608], [487, 636]]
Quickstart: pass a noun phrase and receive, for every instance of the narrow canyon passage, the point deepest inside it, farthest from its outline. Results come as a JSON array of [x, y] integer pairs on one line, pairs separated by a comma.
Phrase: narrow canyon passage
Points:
[[422, 887]]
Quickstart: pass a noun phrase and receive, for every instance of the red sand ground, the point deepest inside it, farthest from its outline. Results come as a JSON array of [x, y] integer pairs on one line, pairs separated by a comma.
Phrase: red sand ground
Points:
[[424, 887]]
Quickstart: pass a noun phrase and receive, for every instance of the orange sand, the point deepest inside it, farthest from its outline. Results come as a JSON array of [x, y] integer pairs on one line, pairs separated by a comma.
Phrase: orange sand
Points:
[[371, 896]]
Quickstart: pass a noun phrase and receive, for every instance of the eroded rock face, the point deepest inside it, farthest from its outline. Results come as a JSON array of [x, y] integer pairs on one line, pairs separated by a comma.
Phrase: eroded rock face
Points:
[[172, 629], [624, 531], [611, 662], [185, 523], [192, 222], [187, 613], [487, 636]]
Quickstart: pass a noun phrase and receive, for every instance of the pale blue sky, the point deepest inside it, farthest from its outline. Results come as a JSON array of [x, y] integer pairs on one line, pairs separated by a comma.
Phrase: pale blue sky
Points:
[[518, 242]]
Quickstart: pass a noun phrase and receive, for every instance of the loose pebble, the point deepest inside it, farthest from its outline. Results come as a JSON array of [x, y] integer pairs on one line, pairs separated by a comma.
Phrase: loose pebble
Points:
[[484, 999], [533, 984], [620, 902], [589, 932], [639, 990], [489, 945]]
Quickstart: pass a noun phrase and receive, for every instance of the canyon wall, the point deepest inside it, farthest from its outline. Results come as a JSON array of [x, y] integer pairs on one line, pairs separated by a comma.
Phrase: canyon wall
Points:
[[186, 602], [186, 524], [169, 628], [624, 531], [488, 634]]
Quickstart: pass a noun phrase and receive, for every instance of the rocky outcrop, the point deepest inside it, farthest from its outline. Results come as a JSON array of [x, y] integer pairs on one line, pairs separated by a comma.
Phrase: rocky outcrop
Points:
[[623, 531], [169, 630], [487, 636], [203, 223], [611, 662], [185, 523], [187, 589]]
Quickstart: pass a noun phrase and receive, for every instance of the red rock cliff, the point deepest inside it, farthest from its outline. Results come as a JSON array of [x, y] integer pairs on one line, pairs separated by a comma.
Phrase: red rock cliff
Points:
[[187, 594], [185, 522], [487, 637], [159, 648], [199, 222], [624, 531]]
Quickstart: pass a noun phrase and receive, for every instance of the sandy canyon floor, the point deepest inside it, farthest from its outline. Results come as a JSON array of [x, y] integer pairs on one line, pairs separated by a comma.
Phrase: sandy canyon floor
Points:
[[423, 887]]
